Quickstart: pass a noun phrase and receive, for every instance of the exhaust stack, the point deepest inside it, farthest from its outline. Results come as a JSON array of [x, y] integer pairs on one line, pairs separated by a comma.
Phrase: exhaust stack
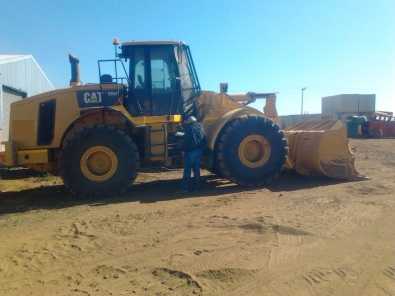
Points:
[[75, 70], [223, 87]]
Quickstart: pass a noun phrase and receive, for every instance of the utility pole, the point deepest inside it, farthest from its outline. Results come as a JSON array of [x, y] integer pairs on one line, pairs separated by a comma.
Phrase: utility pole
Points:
[[301, 107]]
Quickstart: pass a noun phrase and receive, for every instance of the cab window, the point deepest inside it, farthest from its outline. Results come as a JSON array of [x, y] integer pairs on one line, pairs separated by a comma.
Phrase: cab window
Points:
[[139, 70], [163, 74]]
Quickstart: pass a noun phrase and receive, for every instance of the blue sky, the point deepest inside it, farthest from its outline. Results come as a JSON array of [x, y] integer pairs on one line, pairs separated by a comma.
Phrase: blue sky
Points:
[[330, 46]]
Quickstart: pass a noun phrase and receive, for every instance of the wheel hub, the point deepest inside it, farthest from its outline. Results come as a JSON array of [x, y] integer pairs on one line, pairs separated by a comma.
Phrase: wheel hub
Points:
[[99, 163], [254, 151]]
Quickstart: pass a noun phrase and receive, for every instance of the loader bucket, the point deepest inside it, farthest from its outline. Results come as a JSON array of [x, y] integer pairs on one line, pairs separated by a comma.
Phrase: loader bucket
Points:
[[320, 148]]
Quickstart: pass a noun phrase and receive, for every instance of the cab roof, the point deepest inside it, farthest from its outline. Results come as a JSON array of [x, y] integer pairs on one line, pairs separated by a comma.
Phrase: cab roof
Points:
[[151, 42]]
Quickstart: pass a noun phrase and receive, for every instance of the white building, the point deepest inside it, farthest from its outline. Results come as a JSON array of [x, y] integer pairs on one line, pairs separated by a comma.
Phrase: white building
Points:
[[20, 76]]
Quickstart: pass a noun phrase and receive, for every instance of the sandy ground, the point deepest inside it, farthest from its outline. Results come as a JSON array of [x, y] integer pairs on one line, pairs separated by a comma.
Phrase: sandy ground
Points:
[[300, 236]]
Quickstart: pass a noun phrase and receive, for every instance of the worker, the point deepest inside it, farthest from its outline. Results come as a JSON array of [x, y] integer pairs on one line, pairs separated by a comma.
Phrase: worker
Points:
[[193, 145]]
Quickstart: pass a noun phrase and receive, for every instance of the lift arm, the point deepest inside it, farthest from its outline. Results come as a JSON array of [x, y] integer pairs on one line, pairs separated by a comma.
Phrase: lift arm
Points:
[[269, 109]]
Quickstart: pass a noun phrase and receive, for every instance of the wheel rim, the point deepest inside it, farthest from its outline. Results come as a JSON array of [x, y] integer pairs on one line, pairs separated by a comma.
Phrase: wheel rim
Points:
[[99, 163], [254, 151]]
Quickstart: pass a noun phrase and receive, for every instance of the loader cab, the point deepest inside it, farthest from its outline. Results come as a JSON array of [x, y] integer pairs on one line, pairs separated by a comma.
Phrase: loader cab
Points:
[[162, 78]]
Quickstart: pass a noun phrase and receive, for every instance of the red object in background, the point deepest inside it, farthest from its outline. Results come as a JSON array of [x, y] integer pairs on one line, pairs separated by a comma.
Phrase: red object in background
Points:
[[382, 125]]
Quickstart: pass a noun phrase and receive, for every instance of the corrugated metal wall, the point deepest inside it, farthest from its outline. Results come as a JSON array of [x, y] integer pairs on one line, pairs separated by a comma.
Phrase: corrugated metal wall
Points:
[[21, 74], [290, 120], [7, 99], [24, 75]]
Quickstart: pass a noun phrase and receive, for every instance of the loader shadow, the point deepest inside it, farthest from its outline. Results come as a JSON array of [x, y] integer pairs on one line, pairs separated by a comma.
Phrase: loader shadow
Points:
[[19, 173], [57, 197], [291, 181]]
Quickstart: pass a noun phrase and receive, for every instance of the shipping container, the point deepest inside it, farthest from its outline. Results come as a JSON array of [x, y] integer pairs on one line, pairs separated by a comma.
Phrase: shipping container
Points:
[[349, 103]]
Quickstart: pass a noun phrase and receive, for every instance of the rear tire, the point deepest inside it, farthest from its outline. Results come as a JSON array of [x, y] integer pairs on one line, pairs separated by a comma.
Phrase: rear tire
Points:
[[99, 160], [251, 151]]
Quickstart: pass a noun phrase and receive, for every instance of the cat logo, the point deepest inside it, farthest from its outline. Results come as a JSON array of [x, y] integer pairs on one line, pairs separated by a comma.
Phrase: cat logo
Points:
[[97, 98], [92, 97]]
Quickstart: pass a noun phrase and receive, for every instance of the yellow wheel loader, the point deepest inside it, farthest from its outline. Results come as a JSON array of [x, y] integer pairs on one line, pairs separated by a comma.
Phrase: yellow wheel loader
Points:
[[97, 137]]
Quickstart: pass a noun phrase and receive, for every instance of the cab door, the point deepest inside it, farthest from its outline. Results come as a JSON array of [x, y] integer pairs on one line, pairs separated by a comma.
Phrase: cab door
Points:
[[165, 90], [154, 88], [138, 101]]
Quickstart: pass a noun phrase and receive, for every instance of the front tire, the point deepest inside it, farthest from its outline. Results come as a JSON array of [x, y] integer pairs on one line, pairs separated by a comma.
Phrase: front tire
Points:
[[251, 151], [98, 160]]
